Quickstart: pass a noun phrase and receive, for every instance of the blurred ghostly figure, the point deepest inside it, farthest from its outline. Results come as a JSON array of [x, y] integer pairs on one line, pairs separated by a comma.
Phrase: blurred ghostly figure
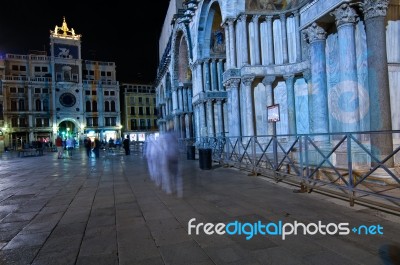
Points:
[[163, 162], [152, 151]]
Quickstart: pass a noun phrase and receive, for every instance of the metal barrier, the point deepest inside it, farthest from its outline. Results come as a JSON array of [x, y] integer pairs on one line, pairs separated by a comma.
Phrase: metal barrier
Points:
[[349, 165]]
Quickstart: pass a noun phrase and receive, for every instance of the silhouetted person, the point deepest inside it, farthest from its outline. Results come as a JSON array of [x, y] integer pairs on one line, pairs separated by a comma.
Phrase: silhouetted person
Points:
[[125, 144]]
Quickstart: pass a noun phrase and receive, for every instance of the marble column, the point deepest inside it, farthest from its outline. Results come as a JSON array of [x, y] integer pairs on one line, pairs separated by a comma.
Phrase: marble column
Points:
[[174, 99], [270, 41], [289, 80], [214, 75], [182, 126], [207, 78], [210, 118], [180, 98], [185, 99], [267, 82], [318, 100], [189, 98], [345, 20], [284, 38], [378, 80], [232, 41], [256, 40], [199, 76], [298, 38], [220, 131], [244, 48], [227, 45], [202, 114], [232, 86], [220, 70], [249, 108]]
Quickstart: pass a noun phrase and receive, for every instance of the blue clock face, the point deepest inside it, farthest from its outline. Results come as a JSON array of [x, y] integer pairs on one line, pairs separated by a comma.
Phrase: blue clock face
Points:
[[67, 99]]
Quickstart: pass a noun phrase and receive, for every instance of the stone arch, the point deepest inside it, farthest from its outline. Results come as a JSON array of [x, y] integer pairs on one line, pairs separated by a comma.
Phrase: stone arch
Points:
[[180, 40]]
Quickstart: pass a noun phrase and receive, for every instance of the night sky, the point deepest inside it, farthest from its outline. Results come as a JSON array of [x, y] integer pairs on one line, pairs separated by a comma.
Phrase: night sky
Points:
[[120, 32]]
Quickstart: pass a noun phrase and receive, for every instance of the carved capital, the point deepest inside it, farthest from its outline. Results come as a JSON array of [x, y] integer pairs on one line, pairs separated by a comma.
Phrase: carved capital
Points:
[[374, 8], [344, 15], [268, 19], [314, 33], [289, 80], [232, 83], [307, 75], [255, 18], [282, 18], [242, 18], [268, 80], [248, 80]]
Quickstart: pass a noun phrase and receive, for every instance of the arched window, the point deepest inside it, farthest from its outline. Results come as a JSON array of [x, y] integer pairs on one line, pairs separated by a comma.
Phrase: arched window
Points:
[[113, 106], [106, 106], [94, 106], [88, 106], [38, 105], [21, 104]]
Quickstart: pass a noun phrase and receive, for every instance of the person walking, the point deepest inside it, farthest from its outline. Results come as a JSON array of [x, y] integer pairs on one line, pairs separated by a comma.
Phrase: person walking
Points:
[[96, 148], [125, 144], [60, 147], [88, 146]]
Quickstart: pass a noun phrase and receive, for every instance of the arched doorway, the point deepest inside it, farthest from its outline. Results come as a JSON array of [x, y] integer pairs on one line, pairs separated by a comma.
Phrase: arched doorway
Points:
[[68, 129]]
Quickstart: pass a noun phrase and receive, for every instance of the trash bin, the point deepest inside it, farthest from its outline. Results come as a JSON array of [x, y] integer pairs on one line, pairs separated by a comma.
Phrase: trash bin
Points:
[[205, 159], [191, 152]]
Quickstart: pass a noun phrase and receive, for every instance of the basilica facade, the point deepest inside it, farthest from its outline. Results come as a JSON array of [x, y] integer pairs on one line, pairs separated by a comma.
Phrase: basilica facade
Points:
[[44, 96], [254, 67]]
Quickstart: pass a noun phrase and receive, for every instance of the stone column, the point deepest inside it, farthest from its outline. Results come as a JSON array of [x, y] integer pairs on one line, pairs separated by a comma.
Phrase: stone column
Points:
[[232, 41], [244, 49], [207, 79], [199, 75], [267, 82], [174, 99], [298, 38], [185, 99], [210, 118], [249, 108], [289, 80], [220, 130], [284, 38], [270, 40], [227, 45], [202, 115], [180, 98], [378, 80], [318, 100], [182, 126], [189, 98], [232, 86], [345, 20], [214, 75], [256, 40], [220, 71]]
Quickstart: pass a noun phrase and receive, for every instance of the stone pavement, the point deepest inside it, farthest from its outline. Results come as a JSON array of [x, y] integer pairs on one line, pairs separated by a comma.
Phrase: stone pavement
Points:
[[108, 211]]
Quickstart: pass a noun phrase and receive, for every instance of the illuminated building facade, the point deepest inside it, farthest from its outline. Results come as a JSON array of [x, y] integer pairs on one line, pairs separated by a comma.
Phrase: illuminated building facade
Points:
[[140, 111], [332, 66], [61, 94]]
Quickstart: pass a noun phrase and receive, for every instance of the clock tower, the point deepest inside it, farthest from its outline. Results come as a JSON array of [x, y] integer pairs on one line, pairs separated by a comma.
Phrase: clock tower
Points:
[[66, 68]]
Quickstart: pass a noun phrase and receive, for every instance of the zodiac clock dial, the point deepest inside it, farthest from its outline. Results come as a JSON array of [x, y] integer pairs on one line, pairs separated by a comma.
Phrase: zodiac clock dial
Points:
[[67, 99]]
